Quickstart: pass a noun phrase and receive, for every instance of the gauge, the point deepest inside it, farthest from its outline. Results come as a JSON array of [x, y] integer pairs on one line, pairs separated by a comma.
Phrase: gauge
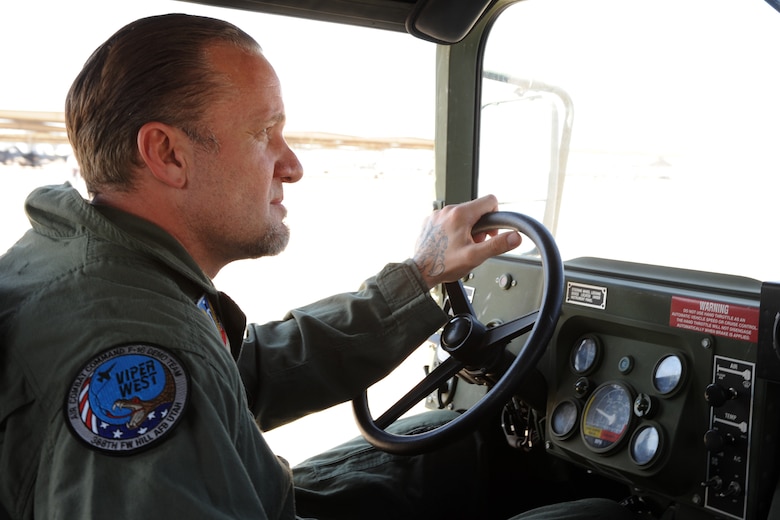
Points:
[[585, 354], [668, 374], [645, 444], [564, 419], [607, 416]]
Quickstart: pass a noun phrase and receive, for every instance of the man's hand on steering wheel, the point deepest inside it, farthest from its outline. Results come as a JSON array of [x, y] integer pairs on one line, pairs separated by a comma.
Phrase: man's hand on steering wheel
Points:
[[447, 250]]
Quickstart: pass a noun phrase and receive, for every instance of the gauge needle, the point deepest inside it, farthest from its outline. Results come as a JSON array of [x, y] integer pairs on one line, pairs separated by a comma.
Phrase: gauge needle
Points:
[[610, 417]]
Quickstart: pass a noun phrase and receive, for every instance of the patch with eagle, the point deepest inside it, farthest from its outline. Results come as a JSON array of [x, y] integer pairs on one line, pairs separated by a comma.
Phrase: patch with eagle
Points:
[[127, 398]]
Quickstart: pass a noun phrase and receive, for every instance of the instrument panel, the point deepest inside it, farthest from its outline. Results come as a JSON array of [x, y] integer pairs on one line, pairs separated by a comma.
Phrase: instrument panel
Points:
[[654, 380], [622, 397]]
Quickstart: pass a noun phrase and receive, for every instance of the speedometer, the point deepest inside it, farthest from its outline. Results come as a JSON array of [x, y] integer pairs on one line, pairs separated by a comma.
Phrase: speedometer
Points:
[[606, 417]]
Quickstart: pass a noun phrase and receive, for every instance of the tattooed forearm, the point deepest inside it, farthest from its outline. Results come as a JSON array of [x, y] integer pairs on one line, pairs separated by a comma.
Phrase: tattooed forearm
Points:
[[430, 250]]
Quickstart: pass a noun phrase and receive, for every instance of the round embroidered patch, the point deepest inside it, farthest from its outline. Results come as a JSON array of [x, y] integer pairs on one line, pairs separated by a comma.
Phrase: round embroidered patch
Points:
[[127, 398]]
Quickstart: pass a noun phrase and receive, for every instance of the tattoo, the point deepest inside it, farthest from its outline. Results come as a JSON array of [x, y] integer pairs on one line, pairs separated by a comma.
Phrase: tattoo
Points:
[[430, 251]]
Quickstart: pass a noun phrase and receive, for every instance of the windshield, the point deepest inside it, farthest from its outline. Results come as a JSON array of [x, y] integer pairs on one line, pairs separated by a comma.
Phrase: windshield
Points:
[[673, 119]]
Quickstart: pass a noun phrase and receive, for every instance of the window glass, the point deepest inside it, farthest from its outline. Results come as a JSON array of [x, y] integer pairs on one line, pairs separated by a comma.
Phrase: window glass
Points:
[[672, 158]]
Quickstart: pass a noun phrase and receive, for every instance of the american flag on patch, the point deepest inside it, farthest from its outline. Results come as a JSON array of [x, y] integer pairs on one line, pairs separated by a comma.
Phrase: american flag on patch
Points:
[[85, 410], [205, 305]]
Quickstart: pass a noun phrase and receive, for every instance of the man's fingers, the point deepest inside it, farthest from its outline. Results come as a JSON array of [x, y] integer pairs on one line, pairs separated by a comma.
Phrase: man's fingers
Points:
[[502, 243]]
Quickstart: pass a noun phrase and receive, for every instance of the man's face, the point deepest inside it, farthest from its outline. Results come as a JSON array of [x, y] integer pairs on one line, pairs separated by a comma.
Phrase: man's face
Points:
[[238, 210]]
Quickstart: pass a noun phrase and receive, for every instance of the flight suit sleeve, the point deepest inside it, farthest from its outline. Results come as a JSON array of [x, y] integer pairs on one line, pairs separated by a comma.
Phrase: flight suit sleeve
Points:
[[213, 465], [328, 352]]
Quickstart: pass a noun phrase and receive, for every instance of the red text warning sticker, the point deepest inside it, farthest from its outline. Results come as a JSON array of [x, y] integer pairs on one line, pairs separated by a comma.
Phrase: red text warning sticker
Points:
[[716, 318]]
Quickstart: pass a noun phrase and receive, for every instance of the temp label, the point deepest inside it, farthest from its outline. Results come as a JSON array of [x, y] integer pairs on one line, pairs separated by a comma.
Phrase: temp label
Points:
[[716, 318]]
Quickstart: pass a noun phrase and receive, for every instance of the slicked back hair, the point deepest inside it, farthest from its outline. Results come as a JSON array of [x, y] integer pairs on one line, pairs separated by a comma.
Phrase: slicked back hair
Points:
[[153, 69]]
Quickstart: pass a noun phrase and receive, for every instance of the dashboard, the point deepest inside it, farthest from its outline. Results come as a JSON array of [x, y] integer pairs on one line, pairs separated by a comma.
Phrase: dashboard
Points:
[[663, 379]]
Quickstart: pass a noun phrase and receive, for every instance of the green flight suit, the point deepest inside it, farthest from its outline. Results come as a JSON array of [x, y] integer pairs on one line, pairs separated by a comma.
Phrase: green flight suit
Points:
[[86, 279]]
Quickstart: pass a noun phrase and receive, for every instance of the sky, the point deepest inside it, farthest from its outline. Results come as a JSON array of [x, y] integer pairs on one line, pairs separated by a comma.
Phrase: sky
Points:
[[45, 43]]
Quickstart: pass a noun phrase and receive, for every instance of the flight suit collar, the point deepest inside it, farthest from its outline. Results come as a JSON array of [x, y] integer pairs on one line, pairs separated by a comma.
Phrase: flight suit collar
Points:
[[62, 211]]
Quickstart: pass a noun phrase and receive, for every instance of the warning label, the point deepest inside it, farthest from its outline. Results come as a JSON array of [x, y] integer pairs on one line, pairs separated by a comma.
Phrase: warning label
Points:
[[716, 318]]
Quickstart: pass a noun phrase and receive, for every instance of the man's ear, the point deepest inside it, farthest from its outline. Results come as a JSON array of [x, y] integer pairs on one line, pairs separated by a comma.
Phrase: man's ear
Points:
[[166, 151]]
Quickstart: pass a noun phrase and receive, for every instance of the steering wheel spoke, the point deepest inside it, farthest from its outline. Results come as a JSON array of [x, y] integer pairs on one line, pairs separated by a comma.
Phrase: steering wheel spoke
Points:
[[434, 380], [459, 300], [510, 330]]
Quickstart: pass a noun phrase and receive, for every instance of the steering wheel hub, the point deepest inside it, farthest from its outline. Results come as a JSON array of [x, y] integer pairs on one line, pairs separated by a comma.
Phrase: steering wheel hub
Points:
[[462, 338], [462, 332]]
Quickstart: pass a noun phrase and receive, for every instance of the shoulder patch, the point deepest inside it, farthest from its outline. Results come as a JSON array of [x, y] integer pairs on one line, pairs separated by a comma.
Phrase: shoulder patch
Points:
[[127, 398]]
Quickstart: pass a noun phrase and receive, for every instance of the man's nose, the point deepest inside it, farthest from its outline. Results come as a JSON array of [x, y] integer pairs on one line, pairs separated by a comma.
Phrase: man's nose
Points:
[[289, 168]]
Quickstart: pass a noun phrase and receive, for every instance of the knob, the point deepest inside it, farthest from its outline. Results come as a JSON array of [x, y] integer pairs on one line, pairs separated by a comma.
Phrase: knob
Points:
[[716, 395], [581, 386], [644, 406], [505, 281], [715, 483], [715, 441], [732, 490]]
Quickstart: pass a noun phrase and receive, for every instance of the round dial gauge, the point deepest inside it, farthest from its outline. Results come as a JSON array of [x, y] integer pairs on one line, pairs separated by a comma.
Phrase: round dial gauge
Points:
[[606, 417], [585, 354], [668, 374], [564, 419], [645, 444]]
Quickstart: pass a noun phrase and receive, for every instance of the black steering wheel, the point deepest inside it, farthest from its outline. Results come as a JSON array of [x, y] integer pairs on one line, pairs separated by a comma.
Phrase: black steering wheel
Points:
[[471, 344]]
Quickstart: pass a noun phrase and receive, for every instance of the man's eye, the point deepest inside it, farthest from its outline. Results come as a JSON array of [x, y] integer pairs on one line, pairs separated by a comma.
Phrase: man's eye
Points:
[[265, 133]]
